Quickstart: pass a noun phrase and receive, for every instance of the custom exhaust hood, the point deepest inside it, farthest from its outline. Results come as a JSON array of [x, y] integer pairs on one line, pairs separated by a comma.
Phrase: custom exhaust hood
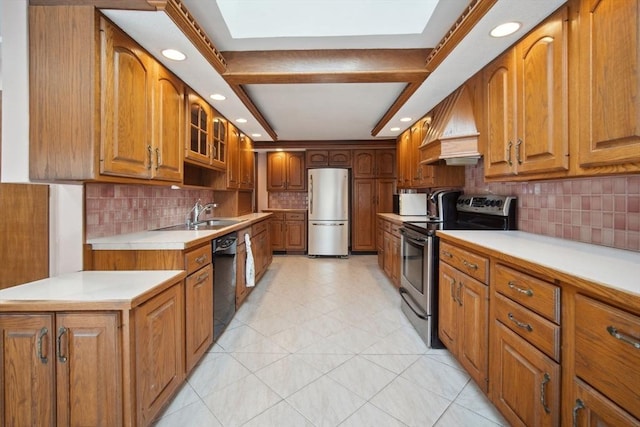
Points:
[[452, 135]]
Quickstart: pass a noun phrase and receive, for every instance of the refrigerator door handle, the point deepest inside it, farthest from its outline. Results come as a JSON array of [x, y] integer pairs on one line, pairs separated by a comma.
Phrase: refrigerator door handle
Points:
[[332, 224], [310, 194]]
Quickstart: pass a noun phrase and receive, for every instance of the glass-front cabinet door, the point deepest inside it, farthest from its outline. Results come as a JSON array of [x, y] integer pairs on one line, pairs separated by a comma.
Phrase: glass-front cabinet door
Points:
[[219, 144], [199, 145]]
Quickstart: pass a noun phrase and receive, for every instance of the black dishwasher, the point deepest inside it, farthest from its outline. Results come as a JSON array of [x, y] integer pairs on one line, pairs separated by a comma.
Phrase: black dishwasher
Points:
[[224, 282]]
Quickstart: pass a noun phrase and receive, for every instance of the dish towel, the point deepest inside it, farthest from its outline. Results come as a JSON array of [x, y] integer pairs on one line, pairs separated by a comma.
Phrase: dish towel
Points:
[[250, 272]]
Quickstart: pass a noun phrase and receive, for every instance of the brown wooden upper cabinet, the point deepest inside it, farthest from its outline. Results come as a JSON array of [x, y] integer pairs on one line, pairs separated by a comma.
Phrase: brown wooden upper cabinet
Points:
[[608, 79], [526, 94], [207, 139], [286, 171], [124, 121], [325, 158], [246, 162], [374, 163]]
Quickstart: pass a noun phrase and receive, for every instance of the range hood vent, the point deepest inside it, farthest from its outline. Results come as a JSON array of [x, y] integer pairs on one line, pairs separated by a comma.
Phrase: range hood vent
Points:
[[452, 135]]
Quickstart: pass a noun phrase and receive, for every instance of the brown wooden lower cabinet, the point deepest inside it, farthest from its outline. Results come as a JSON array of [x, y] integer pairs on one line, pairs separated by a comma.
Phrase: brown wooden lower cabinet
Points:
[[591, 408], [525, 383], [61, 369], [288, 232], [388, 245], [463, 321]]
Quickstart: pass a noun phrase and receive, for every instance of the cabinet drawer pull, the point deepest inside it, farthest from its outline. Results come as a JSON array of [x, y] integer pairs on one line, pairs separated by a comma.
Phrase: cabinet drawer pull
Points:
[[522, 325], [61, 332], [527, 292], [623, 337], [41, 335], [579, 405], [543, 392], [202, 277], [470, 264], [201, 259], [447, 254]]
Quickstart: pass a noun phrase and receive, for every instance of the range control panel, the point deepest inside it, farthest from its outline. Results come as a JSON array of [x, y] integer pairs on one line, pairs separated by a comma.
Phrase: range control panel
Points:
[[487, 204]]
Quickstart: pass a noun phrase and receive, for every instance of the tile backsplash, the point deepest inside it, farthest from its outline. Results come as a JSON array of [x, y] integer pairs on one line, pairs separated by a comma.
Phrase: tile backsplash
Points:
[[602, 210], [113, 209], [287, 200]]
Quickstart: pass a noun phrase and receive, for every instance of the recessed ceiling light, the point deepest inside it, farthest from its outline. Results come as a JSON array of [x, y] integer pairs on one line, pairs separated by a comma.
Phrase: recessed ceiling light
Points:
[[174, 55], [241, 120], [405, 119], [505, 29], [394, 129], [256, 135], [218, 97]]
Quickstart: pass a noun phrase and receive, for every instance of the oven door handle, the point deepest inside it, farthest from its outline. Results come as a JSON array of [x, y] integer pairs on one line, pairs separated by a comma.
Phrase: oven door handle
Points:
[[404, 294], [412, 239]]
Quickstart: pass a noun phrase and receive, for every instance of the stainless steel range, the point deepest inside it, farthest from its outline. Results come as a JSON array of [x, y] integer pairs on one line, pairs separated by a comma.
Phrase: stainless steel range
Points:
[[419, 253]]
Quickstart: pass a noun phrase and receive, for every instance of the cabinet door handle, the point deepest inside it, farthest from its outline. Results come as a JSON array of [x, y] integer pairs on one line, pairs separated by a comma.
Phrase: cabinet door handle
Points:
[[509, 153], [150, 153], [579, 405], [632, 341], [522, 325], [61, 332], [527, 292], [460, 294], [41, 335], [202, 278], [452, 286], [157, 158], [469, 264], [543, 392], [518, 144], [447, 254]]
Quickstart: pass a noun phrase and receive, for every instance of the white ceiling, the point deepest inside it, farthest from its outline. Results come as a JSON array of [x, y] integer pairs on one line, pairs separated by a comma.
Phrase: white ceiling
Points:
[[337, 111]]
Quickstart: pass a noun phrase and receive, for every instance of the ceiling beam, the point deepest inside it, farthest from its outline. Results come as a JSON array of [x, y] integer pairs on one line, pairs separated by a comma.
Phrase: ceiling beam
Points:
[[408, 91], [326, 66]]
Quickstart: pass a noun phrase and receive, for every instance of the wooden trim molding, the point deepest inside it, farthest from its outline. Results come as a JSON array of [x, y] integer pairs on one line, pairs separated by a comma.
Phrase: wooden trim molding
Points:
[[409, 90], [458, 31], [183, 19]]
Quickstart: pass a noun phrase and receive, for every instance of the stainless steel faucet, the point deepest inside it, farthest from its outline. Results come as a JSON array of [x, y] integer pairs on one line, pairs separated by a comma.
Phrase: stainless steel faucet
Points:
[[193, 216]]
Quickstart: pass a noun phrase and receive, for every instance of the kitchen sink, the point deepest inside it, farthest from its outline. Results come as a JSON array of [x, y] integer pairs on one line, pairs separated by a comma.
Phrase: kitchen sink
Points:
[[209, 224]]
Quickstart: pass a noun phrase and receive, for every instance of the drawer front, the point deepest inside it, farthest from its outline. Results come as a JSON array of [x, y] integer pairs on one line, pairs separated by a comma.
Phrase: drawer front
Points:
[[278, 216], [294, 216], [476, 266], [198, 258], [535, 294], [259, 227], [540, 332], [607, 351]]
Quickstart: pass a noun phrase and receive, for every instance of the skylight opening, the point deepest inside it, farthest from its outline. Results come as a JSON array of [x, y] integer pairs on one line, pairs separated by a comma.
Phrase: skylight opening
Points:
[[324, 18]]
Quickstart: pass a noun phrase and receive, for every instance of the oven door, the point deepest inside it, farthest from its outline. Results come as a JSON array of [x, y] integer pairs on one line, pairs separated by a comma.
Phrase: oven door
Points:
[[417, 260]]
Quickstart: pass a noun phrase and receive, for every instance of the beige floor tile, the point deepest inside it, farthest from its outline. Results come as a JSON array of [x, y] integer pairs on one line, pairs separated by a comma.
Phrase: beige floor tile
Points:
[[459, 416], [288, 375], [362, 377], [436, 377], [368, 415], [195, 414], [280, 415]]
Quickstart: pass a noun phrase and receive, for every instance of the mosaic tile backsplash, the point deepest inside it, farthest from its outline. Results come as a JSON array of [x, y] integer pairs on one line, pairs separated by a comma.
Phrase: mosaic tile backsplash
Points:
[[113, 209], [604, 210], [287, 200]]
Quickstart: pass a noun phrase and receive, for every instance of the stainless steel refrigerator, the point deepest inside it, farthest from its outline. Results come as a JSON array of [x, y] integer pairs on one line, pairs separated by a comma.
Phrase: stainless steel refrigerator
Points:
[[328, 212]]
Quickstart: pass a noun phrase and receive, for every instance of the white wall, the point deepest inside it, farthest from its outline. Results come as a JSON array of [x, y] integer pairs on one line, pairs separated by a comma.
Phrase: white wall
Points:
[[65, 201]]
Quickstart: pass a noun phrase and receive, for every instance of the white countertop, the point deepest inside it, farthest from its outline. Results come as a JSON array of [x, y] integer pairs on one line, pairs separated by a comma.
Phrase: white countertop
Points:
[[403, 218], [108, 288], [615, 268], [168, 239]]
